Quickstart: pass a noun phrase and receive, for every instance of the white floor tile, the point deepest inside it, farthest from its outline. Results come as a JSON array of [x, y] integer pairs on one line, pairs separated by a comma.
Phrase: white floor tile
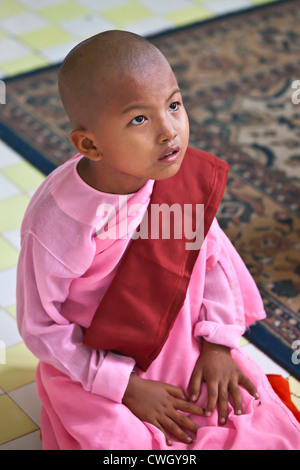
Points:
[[13, 236], [220, 7], [9, 333], [8, 156], [265, 362], [58, 53], [86, 26], [95, 4], [12, 49], [31, 441], [102, 6], [34, 5], [22, 23], [7, 188], [28, 400], [149, 26], [8, 287], [166, 6], [31, 192]]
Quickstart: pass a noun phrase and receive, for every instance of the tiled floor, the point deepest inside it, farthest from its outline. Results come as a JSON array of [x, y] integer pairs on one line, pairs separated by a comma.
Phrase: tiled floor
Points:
[[35, 34]]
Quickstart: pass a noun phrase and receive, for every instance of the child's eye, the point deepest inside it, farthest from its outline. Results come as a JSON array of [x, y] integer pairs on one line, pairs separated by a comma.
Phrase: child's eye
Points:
[[174, 106], [138, 120]]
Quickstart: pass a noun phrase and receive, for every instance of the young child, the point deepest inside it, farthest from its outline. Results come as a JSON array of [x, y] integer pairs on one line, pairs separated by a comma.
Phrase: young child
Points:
[[138, 338]]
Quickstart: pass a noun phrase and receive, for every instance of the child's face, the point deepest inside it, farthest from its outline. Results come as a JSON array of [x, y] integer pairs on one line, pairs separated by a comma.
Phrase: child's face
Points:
[[142, 132]]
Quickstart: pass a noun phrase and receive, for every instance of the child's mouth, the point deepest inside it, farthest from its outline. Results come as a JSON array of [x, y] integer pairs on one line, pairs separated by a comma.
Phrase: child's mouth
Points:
[[170, 156]]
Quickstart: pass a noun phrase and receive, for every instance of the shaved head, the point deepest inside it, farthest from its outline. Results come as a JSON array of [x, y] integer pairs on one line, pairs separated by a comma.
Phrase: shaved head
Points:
[[94, 66]]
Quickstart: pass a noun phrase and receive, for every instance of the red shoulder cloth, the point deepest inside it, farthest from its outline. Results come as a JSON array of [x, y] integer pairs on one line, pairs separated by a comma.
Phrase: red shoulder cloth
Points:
[[142, 302]]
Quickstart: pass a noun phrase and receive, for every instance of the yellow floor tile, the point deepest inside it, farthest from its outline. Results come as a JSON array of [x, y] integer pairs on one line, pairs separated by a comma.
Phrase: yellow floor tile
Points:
[[49, 36], [189, 15], [12, 212], [9, 255], [63, 11], [24, 175], [12, 310], [19, 369], [127, 14], [23, 64], [14, 422], [9, 8], [295, 391], [243, 341], [2, 353]]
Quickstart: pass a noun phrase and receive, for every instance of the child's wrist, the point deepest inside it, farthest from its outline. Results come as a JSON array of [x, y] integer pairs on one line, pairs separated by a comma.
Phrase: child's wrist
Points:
[[213, 347]]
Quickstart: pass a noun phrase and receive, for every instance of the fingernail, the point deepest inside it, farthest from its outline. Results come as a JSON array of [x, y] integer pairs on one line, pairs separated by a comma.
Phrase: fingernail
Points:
[[256, 396], [239, 412], [222, 420], [208, 413], [170, 443], [193, 397], [189, 440]]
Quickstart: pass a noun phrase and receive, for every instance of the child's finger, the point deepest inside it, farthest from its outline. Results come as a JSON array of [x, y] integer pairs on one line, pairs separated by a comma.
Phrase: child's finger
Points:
[[212, 397], [169, 441], [185, 422], [195, 386], [171, 426], [176, 392], [223, 403], [236, 396], [188, 407], [249, 386]]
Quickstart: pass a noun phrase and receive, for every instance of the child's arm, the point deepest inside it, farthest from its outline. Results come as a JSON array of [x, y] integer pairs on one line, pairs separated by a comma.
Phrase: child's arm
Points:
[[43, 285]]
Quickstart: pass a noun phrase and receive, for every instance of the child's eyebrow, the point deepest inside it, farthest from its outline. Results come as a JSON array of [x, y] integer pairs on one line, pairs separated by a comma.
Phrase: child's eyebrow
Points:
[[141, 106]]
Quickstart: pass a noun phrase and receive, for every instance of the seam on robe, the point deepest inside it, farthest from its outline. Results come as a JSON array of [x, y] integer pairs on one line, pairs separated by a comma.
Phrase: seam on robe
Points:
[[29, 232]]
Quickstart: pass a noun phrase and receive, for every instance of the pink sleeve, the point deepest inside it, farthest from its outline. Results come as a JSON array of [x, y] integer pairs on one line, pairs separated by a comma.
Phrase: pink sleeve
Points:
[[218, 311], [42, 286], [231, 300]]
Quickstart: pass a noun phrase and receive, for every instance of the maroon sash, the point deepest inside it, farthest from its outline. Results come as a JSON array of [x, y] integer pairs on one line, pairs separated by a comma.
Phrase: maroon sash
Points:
[[143, 300]]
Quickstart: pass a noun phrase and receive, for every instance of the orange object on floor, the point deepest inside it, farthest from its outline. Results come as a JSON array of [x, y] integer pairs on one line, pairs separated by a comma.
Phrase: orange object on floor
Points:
[[282, 387]]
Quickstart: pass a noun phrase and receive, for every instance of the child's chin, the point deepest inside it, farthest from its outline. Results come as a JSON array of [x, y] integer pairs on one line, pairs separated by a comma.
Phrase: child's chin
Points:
[[170, 170]]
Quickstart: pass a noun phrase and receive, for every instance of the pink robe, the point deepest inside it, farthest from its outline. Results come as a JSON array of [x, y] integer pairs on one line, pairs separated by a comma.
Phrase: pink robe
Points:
[[63, 272]]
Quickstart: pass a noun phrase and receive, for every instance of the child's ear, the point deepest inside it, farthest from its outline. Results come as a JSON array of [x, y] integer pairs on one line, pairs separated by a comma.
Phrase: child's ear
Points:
[[84, 144]]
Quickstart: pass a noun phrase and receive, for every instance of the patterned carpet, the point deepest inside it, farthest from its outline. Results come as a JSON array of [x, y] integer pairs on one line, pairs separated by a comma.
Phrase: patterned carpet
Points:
[[236, 75]]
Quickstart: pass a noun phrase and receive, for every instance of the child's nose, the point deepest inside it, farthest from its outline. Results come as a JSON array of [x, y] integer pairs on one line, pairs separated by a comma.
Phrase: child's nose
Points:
[[166, 131]]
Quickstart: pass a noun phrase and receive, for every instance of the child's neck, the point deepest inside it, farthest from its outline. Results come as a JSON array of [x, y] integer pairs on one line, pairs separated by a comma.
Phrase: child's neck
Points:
[[92, 174]]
